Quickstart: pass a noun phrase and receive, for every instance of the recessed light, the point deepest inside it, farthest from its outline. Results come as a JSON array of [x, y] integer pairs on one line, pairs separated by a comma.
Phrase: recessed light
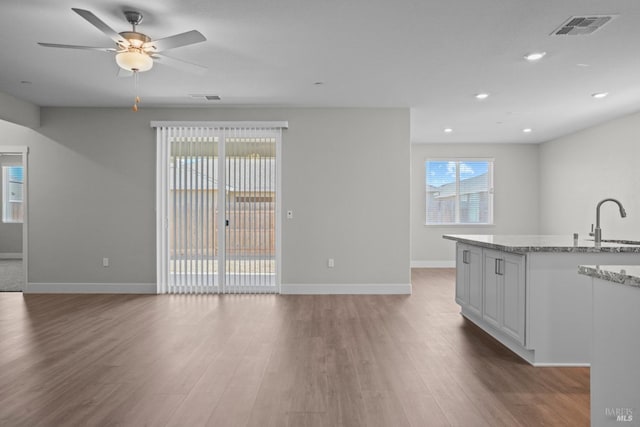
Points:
[[600, 95], [527, 130], [482, 95], [535, 56], [448, 130]]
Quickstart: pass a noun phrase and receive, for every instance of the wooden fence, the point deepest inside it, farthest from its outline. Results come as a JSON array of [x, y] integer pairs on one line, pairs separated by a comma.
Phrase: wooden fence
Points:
[[250, 232]]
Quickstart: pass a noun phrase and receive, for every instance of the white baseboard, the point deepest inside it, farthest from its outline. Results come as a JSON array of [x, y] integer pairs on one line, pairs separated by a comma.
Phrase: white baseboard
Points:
[[10, 255], [150, 288], [90, 288], [346, 289], [433, 264], [561, 365]]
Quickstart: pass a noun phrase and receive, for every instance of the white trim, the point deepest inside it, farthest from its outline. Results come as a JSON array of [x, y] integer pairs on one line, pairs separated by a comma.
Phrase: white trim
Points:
[[433, 264], [90, 288], [279, 212], [10, 255], [162, 223], [24, 151], [346, 289], [561, 365], [223, 124], [17, 149]]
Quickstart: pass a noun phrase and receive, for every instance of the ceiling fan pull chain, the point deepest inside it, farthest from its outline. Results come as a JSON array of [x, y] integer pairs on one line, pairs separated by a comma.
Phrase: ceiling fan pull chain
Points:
[[136, 100]]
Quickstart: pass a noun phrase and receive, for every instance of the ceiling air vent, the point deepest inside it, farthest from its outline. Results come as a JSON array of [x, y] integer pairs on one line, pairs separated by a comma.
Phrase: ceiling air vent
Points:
[[207, 97], [582, 25]]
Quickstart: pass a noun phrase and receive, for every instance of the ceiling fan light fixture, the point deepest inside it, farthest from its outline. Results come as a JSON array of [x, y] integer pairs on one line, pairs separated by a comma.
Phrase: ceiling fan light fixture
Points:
[[132, 59]]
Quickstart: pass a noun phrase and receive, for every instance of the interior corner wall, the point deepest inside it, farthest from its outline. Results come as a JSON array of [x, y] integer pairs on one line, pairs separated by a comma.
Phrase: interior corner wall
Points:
[[345, 174], [579, 170], [17, 111], [516, 197]]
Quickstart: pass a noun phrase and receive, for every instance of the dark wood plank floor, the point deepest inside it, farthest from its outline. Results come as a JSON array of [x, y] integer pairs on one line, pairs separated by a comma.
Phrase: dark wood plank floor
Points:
[[265, 360]]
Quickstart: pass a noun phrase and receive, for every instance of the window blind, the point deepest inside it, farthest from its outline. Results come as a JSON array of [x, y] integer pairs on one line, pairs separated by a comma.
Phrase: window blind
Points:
[[218, 208]]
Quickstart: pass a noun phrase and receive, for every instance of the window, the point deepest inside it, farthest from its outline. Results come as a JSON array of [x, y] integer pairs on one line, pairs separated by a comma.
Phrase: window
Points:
[[12, 194], [459, 191]]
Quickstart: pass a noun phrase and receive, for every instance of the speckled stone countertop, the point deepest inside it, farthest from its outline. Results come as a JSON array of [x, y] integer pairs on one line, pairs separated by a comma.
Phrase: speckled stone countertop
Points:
[[622, 274], [543, 243]]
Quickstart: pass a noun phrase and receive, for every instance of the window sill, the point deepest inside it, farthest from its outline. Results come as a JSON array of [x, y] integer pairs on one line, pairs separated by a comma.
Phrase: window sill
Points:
[[458, 225]]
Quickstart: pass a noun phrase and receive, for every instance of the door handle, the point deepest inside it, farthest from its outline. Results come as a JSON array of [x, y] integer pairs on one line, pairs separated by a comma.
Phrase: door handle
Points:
[[465, 256], [499, 267]]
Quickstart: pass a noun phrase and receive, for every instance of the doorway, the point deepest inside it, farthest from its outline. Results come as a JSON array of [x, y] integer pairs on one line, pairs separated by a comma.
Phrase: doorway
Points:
[[13, 219], [218, 205]]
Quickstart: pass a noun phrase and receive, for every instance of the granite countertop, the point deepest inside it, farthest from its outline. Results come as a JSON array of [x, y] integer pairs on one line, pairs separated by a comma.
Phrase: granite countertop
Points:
[[622, 274], [522, 244]]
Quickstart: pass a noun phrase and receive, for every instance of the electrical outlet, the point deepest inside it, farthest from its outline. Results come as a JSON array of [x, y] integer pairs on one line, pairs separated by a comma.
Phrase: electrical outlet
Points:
[[289, 214], [331, 263], [105, 262]]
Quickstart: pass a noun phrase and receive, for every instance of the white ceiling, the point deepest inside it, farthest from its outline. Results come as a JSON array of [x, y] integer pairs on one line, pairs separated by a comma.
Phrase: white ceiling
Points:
[[429, 56]]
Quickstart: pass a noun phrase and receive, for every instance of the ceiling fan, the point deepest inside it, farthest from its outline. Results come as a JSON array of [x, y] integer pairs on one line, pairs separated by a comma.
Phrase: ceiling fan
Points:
[[135, 51]]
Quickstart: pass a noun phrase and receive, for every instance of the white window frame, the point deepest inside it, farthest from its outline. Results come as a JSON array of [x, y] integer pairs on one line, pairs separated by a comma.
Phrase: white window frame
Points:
[[459, 160], [6, 195]]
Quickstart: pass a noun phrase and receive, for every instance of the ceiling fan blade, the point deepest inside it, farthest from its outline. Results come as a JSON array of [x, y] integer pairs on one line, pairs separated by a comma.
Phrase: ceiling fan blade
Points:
[[178, 40], [99, 24], [72, 46], [179, 64]]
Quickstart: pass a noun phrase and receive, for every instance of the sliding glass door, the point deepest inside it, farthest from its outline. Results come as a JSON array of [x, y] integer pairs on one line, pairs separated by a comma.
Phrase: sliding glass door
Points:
[[218, 210], [250, 209]]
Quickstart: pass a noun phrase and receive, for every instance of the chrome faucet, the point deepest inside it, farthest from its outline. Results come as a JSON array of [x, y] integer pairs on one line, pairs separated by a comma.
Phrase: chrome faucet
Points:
[[597, 233]]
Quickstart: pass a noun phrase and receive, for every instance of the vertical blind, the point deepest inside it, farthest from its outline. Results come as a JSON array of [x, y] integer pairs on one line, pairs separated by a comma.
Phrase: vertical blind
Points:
[[217, 208], [250, 212]]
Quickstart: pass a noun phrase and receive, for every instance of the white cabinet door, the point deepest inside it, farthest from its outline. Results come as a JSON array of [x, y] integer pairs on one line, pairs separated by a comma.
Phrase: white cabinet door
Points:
[[513, 305], [491, 312], [475, 280], [469, 278], [462, 275], [504, 293]]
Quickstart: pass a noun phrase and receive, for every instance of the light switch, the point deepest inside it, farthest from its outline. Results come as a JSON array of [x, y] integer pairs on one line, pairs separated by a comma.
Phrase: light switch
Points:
[[289, 214]]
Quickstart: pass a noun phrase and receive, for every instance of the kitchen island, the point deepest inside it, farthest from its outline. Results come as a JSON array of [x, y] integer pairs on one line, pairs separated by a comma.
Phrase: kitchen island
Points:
[[615, 378], [526, 293]]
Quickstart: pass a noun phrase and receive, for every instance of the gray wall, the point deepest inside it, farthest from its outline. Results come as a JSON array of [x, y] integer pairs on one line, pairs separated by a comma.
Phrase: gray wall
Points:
[[92, 193], [17, 111], [581, 169], [550, 188], [11, 233], [516, 197]]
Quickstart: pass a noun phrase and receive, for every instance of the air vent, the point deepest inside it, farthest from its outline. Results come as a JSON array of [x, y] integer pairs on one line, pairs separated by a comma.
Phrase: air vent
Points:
[[207, 97], [582, 25]]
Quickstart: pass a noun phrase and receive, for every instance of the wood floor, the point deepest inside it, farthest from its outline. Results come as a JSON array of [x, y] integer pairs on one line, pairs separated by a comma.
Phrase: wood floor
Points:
[[266, 360]]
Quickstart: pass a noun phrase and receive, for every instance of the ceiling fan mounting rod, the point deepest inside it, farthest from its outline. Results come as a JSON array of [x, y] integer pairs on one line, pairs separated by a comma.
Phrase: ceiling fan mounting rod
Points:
[[133, 17]]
